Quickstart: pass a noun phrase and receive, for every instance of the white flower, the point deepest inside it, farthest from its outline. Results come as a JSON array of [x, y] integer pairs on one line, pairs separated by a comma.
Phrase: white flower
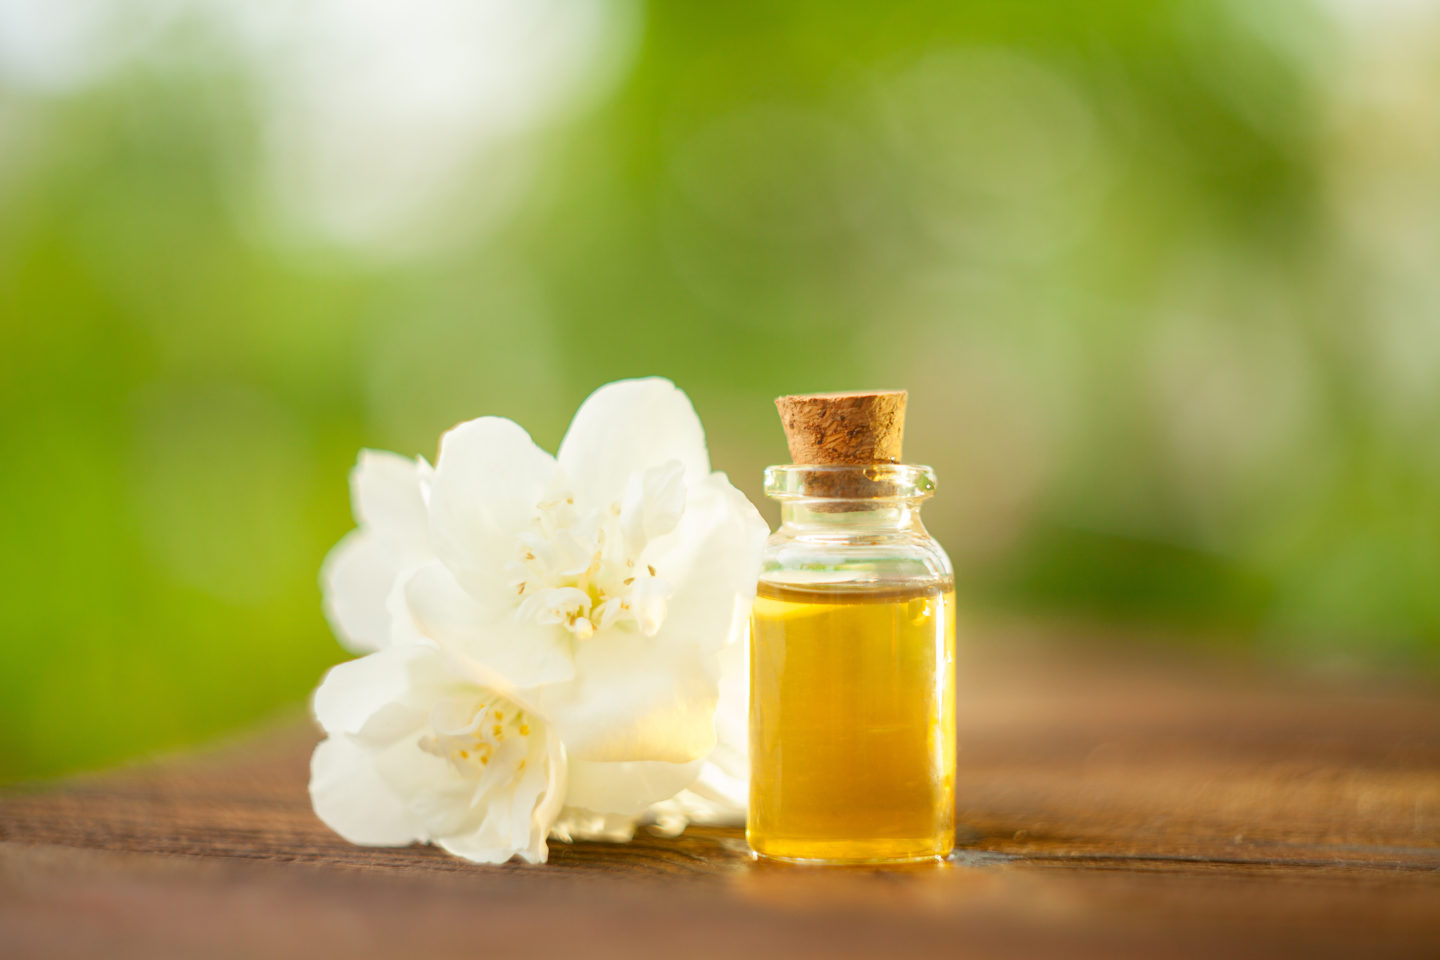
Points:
[[424, 748], [605, 579], [604, 589]]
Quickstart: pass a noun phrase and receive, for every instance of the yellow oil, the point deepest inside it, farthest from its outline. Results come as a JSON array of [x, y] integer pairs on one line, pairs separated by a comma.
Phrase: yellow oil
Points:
[[852, 723]]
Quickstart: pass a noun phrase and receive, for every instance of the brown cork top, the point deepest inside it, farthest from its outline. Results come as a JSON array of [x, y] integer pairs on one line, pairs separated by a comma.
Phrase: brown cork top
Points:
[[863, 426]]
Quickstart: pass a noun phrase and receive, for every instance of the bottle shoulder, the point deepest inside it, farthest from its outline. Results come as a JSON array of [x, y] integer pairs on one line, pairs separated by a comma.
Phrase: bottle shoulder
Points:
[[911, 555]]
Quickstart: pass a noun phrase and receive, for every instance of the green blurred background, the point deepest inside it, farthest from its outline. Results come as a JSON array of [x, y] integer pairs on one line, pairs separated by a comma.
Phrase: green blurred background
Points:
[[1163, 279]]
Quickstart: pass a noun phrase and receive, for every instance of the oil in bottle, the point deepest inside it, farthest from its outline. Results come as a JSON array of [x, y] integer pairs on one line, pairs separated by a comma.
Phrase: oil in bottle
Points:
[[852, 721]]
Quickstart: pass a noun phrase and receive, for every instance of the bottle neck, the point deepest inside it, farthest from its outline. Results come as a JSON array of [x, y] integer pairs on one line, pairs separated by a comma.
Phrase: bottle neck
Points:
[[821, 517]]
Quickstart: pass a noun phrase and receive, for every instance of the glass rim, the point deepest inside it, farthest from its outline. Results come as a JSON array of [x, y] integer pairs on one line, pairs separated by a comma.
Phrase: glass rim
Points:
[[846, 481]]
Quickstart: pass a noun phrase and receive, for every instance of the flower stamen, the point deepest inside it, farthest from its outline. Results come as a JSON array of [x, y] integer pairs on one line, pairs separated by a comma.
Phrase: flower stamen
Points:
[[578, 570], [470, 732]]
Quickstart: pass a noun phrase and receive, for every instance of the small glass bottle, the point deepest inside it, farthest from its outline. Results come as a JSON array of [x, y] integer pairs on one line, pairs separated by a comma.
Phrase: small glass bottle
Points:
[[852, 695]]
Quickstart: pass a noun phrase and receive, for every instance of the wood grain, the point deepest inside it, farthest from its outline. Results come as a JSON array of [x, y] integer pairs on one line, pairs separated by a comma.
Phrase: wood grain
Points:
[[1110, 805]]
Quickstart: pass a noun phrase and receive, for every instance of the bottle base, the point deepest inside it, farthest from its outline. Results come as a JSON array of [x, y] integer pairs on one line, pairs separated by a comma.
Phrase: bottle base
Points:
[[851, 852], [849, 862]]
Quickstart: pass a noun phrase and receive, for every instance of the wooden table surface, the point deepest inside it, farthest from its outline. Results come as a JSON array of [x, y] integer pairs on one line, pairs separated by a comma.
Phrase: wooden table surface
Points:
[[1111, 804]]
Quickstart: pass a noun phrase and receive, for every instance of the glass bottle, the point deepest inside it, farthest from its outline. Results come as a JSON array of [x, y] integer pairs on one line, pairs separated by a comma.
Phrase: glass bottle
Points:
[[852, 696]]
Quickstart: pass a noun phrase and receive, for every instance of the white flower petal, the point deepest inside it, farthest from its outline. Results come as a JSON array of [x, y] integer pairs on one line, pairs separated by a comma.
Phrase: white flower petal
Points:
[[473, 847], [388, 496], [522, 654], [557, 775], [628, 427], [634, 698], [355, 579], [530, 819], [577, 824], [723, 536], [390, 724], [732, 718], [717, 545], [626, 788], [354, 691], [351, 798], [653, 504], [487, 485], [721, 793], [385, 493], [436, 799], [715, 799]]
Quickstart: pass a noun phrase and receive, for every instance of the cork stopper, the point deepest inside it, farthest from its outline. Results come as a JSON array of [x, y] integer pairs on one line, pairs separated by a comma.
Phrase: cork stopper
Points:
[[860, 427]]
